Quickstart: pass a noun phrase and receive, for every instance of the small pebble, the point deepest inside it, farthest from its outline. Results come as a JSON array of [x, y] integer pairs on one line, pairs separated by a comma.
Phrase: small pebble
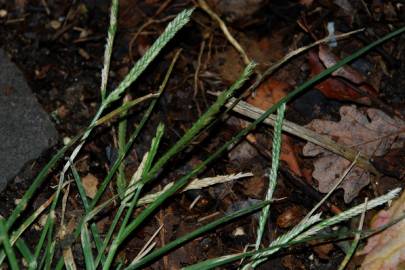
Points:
[[55, 24], [3, 13], [17, 201], [239, 231], [66, 140]]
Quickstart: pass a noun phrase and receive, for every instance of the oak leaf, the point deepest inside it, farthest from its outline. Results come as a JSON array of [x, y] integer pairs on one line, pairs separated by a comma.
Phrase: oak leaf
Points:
[[372, 133]]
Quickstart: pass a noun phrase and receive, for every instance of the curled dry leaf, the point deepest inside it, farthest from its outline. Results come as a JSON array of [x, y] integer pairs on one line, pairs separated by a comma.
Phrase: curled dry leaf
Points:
[[330, 87], [90, 183], [352, 88], [329, 59], [372, 133], [386, 250]]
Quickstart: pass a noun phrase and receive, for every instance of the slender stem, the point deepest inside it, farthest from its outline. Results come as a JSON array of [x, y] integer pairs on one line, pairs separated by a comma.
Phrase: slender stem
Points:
[[112, 29], [5, 241]]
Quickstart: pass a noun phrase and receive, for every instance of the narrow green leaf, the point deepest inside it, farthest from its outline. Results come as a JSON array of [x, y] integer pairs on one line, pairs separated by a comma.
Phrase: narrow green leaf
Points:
[[172, 28], [86, 245], [200, 124], [5, 241], [194, 234], [112, 29], [275, 159], [26, 253]]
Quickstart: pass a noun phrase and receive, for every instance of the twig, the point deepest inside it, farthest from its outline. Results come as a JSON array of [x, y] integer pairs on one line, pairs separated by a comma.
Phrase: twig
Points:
[[356, 240], [163, 7], [43, 2], [148, 246], [262, 77], [304, 133], [197, 69], [203, 5]]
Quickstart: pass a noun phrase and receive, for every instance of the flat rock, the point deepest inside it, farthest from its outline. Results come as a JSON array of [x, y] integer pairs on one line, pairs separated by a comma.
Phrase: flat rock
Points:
[[25, 128]]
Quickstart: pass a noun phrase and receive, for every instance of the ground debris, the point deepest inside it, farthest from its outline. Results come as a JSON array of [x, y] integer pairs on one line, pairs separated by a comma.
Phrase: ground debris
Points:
[[373, 133]]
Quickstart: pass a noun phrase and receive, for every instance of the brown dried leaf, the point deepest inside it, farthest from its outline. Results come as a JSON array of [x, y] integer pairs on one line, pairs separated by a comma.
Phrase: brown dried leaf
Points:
[[329, 59], [306, 2], [373, 134], [90, 183], [290, 216], [331, 87], [386, 250]]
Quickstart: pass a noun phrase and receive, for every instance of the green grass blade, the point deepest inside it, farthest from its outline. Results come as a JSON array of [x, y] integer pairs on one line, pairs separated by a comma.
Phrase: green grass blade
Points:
[[122, 136], [352, 212], [86, 246], [49, 252], [80, 188], [112, 29], [172, 28], [298, 234], [183, 181], [26, 253], [129, 193], [140, 66], [121, 208], [135, 134], [220, 261], [196, 233], [5, 241], [41, 241], [200, 124], [50, 226], [129, 144], [275, 159], [125, 107], [148, 162], [27, 223], [82, 193], [273, 173], [37, 183], [109, 234], [356, 240]]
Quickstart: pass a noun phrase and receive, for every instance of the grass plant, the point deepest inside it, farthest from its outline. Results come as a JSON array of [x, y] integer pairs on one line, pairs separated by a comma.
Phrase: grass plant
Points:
[[100, 251]]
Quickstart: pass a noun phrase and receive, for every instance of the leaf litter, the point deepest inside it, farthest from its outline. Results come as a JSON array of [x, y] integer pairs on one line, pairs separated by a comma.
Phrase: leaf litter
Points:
[[373, 133], [386, 250]]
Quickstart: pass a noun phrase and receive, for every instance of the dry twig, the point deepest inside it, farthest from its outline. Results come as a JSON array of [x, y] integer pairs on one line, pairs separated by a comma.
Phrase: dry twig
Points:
[[203, 5]]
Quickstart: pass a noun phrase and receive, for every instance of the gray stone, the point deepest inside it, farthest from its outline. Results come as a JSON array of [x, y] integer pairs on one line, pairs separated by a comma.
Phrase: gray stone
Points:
[[25, 128]]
